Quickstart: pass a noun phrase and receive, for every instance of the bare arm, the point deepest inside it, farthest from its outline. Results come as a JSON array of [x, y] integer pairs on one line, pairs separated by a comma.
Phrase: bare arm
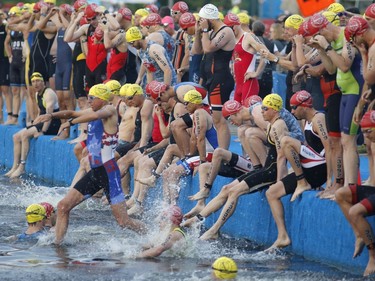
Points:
[[44, 23], [157, 52], [147, 122], [278, 131], [158, 250], [200, 129], [221, 39], [164, 130], [320, 127]]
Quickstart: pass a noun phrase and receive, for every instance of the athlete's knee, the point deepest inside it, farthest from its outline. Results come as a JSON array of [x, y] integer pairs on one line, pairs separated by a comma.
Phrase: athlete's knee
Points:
[[342, 194], [63, 207], [218, 153], [270, 193]]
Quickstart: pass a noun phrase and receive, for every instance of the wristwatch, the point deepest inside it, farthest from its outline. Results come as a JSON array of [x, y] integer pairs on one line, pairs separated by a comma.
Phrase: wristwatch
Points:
[[276, 59], [205, 30], [328, 48]]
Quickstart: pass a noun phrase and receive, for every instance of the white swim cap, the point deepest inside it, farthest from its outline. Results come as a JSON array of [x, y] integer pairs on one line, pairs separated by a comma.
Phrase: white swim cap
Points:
[[210, 12]]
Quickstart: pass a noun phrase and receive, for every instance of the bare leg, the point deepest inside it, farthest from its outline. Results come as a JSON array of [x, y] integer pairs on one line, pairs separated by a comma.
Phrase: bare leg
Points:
[[370, 146], [350, 158], [171, 178], [72, 199], [17, 141], [181, 136], [169, 153], [357, 215], [62, 106], [215, 204], [122, 218], [241, 135], [228, 209], [256, 149], [344, 200], [291, 148], [222, 128], [8, 99], [274, 193], [220, 155], [337, 168], [200, 196]]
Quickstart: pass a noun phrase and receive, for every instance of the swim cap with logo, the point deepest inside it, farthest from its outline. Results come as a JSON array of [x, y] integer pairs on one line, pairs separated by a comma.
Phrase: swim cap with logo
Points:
[[123, 89], [155, 88], [368, 119], [336, 8], [332, 17], [301, 98], [244, 18], [193, 96], [252, 100], [187, 20], [133, 34], [180, 6], [126, 13], [133, 90], [316, 23], [224, 268], [356, 26], [151, 20], [273, 101], [294, 21], [49, 208], [141, 12], [174, 213], [35, 213], [100, 91], [209, 11], [370, 12], [114, 86], [231, 20], [231, 107]]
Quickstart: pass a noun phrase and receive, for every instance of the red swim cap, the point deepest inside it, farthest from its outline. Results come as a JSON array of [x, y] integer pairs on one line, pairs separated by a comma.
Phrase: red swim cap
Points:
[[230, 107], [252, 100], [151, 20], [126, 13], [356, 26], [187, 20], [155, 88], [180, 6], [231, 20], [48, 207], [370, 11], [301, 98], [368, 120]]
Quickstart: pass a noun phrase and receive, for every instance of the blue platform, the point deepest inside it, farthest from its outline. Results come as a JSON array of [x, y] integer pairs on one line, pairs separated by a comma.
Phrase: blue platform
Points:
[[317, 228]]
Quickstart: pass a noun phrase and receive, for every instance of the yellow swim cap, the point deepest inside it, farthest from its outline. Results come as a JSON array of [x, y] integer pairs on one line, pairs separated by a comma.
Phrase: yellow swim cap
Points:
[[100, 91], [35, 213], [193, 96], [221, 16], [332, 17], [123, 89], [114, 86], [294, 21], [225, 268], [133, 34], [141, 12], [133, 90], [336, 8], [244, 18], [50, 1], [273, 101], [36, 76], [196, 15], [15, 10]]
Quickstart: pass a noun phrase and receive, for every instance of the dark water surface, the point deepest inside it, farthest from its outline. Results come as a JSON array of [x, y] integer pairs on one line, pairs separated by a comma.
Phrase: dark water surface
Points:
[[95, 248]]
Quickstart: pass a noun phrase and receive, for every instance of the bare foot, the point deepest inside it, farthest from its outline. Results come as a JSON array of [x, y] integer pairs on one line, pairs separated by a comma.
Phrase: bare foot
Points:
[[370, 268], [190, 222], [193, 212], [81, 137], [150, 181], [209, 235], [328, 193], [279, 244], [299, 190], [201, 194], [20, 170], [10, 172], [136, 210], [358, 247], [62, 136], [11, 121]]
